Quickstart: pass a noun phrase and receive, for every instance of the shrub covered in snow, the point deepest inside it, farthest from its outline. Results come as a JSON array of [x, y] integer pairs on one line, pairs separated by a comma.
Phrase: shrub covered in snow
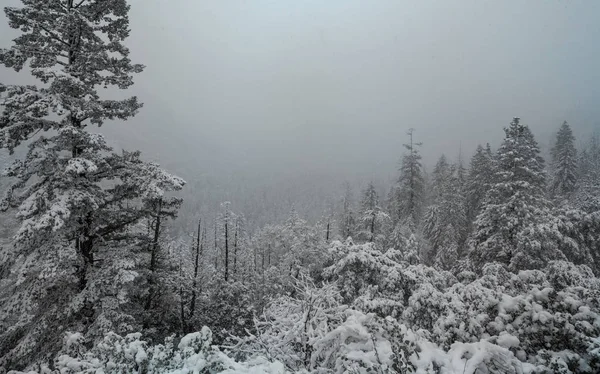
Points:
[[130, 354], [378, 315]]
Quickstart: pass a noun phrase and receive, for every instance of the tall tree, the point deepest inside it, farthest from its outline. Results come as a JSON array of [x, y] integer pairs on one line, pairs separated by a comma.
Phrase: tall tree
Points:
[[564, 164], [373, 221], [588, 183], [77, 201], [479, 180], [346, 221], [73, 48], [409, 190], [445, 219], [511, 227]]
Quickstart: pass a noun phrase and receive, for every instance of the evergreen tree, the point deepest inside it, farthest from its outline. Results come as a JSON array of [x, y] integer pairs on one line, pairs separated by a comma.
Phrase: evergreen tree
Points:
[[588, 183], [409, 190], [80, 205], [346, 221], [373, 221], [479, 180], [445, 219], [564, 164], [512, 227]]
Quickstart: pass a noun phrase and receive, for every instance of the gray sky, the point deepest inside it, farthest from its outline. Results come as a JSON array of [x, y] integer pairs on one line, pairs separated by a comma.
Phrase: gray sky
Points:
[[261, 87]]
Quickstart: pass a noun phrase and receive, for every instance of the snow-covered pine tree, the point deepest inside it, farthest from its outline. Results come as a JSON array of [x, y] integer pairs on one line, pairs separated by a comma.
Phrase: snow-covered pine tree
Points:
[[587, 195], [564, 164], [445, 219], [78, 202], [512, 226], [74, 48], [433, 229], [346, 221], [479, 180], [373, 223], [409, 190]]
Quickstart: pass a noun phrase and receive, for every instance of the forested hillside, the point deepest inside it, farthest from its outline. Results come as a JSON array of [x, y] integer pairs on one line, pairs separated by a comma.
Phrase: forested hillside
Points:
[[487, 265]]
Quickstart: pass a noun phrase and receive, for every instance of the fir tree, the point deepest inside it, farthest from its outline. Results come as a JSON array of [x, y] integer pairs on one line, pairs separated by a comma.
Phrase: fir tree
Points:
[[80, 205], [346, 221], [445, 219], [409, 190], [373, 222], [512, 227], [564, 164], [479, 180], [588, 182]]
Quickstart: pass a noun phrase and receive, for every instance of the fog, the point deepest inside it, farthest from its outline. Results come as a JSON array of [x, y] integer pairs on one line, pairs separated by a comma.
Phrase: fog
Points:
[[296, 97]]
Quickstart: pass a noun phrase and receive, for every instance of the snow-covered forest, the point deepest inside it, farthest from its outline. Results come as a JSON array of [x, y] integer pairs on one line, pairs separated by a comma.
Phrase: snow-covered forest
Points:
[[484, 263]]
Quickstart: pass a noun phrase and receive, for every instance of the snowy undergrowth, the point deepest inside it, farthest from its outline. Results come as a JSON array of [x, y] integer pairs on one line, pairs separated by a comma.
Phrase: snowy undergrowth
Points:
[[377, 315]]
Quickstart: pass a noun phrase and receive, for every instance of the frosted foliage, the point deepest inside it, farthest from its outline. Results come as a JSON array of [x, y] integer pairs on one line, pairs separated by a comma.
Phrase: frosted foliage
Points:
[[535, 321], [131, 354], [479, 180], [515, 226], [564, 164], [373, 223], [78, 202], [408, 193], [445, 221], [587, 195], [52, 44]]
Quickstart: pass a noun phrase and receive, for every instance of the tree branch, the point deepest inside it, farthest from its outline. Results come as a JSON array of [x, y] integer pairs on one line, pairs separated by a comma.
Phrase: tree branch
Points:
[[52, 35]]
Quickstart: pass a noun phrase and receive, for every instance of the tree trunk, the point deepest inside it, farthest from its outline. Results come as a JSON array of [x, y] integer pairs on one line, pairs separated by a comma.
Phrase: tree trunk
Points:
[[226, 250], [216, 248], [235, 247], [199, 242], [181, 301], [153, 256]]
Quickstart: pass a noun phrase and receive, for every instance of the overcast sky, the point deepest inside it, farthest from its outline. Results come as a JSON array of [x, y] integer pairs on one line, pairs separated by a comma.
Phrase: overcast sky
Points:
[[321, 86]]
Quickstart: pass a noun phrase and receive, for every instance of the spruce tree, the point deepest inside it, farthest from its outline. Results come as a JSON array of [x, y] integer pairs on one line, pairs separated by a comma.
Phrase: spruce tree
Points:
[[373, 221], [481, 174], [346, 220], [409, 190], [80, 204], [587, 195], [445, 218], [512, 226], [564, 164]]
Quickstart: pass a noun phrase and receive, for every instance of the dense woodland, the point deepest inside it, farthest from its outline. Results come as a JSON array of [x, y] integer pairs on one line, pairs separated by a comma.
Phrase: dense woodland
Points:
[[481, 266]]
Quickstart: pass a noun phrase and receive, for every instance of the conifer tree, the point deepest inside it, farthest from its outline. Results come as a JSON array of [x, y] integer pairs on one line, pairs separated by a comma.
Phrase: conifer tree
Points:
[[479, 180], [346, 221], [564, 164], [373, 222], [79, 203], [445, 219], [511, 227], [588, 182], [409, 190]]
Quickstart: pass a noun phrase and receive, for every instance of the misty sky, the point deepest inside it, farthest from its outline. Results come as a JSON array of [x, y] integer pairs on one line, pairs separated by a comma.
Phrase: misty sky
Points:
[[313, 86]]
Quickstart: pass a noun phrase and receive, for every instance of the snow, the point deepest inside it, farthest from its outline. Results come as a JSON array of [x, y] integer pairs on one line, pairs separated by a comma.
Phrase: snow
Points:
[[507, 340]]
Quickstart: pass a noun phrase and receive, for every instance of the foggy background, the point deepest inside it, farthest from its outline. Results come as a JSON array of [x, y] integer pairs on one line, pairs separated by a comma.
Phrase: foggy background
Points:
[[273, 104]]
